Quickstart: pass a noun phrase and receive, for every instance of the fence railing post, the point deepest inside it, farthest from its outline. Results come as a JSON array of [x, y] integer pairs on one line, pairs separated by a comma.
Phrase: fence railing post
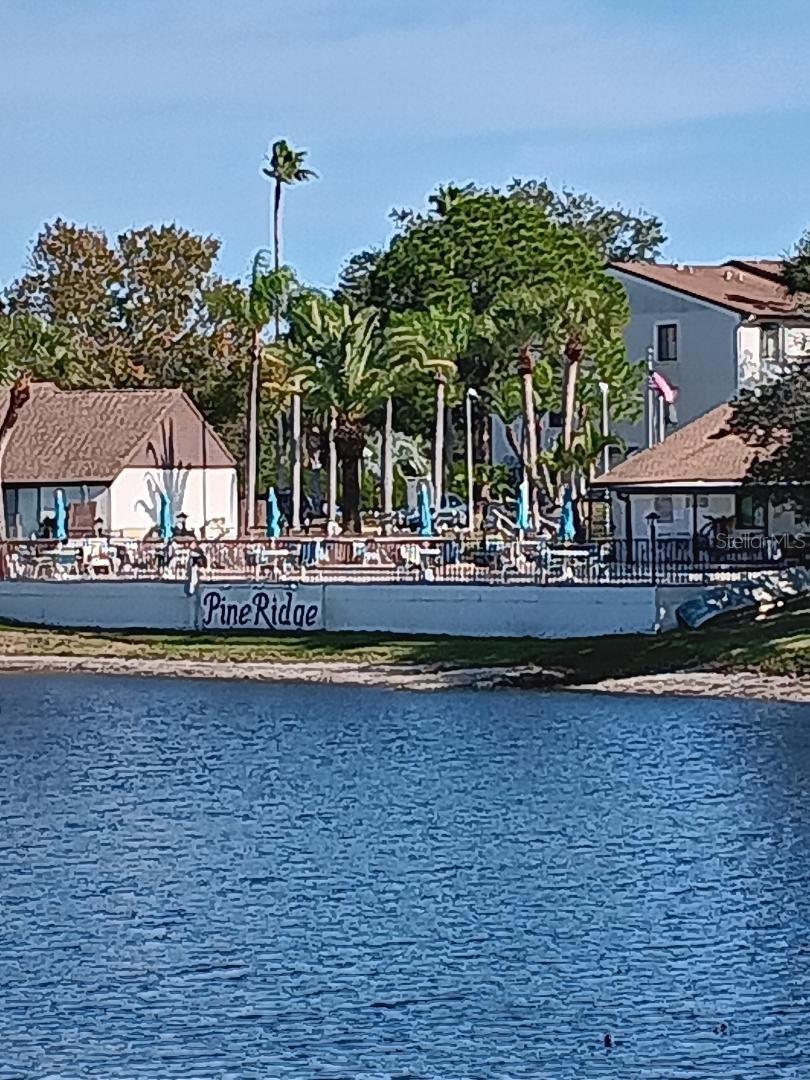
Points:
[[652, 521]]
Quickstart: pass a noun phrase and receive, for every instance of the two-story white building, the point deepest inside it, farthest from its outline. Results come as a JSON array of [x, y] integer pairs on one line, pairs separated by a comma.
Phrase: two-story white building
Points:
[[713, 330]]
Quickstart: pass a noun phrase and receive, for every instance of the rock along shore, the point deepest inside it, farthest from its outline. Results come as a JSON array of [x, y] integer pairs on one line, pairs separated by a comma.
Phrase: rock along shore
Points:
[[422, 677]]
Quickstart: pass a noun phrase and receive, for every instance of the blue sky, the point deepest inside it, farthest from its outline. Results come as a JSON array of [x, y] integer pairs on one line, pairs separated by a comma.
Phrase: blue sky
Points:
[[123, 112]]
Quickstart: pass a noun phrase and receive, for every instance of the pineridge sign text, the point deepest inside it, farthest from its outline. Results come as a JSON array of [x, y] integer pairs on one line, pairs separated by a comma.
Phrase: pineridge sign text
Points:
[[261, 609]]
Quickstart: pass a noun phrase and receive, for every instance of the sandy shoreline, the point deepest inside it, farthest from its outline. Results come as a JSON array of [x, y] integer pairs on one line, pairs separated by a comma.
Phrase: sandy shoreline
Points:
[[422, 677]]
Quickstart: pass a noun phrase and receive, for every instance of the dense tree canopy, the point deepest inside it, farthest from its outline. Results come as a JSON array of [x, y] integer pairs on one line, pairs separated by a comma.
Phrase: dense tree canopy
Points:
[[797, 265], [774, 419], [489, 285], [523, 280], [143, 310]]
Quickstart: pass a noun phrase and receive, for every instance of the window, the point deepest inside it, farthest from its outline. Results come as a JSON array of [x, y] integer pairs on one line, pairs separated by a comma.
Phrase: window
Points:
[[666, 343], [663, 507], [751, 512], [769, 342]]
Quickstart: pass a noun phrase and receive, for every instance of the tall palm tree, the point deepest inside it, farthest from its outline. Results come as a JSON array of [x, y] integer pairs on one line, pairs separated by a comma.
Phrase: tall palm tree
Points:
[[285, 166], [442, 334], [264, 301], [349, 366]]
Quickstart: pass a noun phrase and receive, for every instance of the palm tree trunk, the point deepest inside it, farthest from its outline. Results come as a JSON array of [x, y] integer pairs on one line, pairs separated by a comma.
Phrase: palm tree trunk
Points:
[[18, 395], [295, 464], [387, 463], [449, 444], [350, 467], [280, 443], [277, 224], [525, 369], [251, 434], [438, 444], [280, 448], [5, 437], [573, 354], [331, 511]]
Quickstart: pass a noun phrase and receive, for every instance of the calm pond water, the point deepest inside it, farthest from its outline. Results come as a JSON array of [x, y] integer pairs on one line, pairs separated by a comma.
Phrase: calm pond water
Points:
[[214, 880]]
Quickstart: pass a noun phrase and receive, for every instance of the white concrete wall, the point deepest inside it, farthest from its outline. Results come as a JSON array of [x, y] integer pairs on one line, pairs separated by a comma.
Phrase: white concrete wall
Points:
[[793, 348], [477, 611], [491, 610], [267, 608], [203, 494], [114, 605]]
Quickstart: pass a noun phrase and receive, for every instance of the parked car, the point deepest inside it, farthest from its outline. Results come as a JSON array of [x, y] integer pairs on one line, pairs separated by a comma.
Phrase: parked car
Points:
[[452, 514]]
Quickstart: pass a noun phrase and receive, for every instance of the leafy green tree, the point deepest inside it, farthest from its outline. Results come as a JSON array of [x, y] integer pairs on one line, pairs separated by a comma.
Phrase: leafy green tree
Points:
[[774, 420], [263, 302], [616, 234], [24, 340], [350, 365], [797, 266], [133, 308], [143, 309], [540, 305]]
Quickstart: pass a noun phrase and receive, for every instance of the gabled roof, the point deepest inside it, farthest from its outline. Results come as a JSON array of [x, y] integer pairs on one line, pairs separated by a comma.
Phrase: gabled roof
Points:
[[703, 452], [750, 287], [64, 436]]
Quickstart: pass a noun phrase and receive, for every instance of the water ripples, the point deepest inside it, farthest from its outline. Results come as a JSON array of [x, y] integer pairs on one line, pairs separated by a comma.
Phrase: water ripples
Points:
[[218, 880]]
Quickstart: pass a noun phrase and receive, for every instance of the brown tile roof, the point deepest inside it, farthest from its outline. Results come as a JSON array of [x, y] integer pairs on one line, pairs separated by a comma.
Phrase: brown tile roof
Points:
[[65, 436], [701, 452], [749, 286]]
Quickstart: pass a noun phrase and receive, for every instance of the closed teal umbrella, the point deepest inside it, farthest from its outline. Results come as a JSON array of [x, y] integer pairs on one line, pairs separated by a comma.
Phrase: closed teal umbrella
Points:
[[566, 527], [423, 508], [60, 515], [166, 524], [522, 506], [273, 528]]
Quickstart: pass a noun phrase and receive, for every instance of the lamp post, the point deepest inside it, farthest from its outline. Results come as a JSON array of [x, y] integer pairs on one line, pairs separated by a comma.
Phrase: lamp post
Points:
[[652, 520], [468, 400], [604, 388], [650, 399]]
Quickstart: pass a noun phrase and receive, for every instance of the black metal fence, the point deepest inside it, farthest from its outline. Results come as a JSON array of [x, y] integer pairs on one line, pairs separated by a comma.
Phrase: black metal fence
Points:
[[454, 560]]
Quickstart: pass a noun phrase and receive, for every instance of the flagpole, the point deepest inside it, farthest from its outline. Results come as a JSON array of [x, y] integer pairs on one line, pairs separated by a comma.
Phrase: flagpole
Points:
[[650, 399]]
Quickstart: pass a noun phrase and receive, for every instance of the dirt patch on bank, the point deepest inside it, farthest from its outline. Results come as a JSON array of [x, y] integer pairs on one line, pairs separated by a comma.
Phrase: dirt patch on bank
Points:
[[742, 684]]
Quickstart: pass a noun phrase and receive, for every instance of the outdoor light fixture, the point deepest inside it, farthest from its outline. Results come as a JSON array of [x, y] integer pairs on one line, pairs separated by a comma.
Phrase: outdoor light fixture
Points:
[[469, 397]]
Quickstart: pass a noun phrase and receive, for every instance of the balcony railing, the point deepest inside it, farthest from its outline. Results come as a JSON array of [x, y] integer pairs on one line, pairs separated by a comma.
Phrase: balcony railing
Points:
[[401, 559]]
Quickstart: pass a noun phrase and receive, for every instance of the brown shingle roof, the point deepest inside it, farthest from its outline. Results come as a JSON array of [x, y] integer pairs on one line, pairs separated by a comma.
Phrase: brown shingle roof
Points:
[[704, 451], [84, 435], [749, 286]]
